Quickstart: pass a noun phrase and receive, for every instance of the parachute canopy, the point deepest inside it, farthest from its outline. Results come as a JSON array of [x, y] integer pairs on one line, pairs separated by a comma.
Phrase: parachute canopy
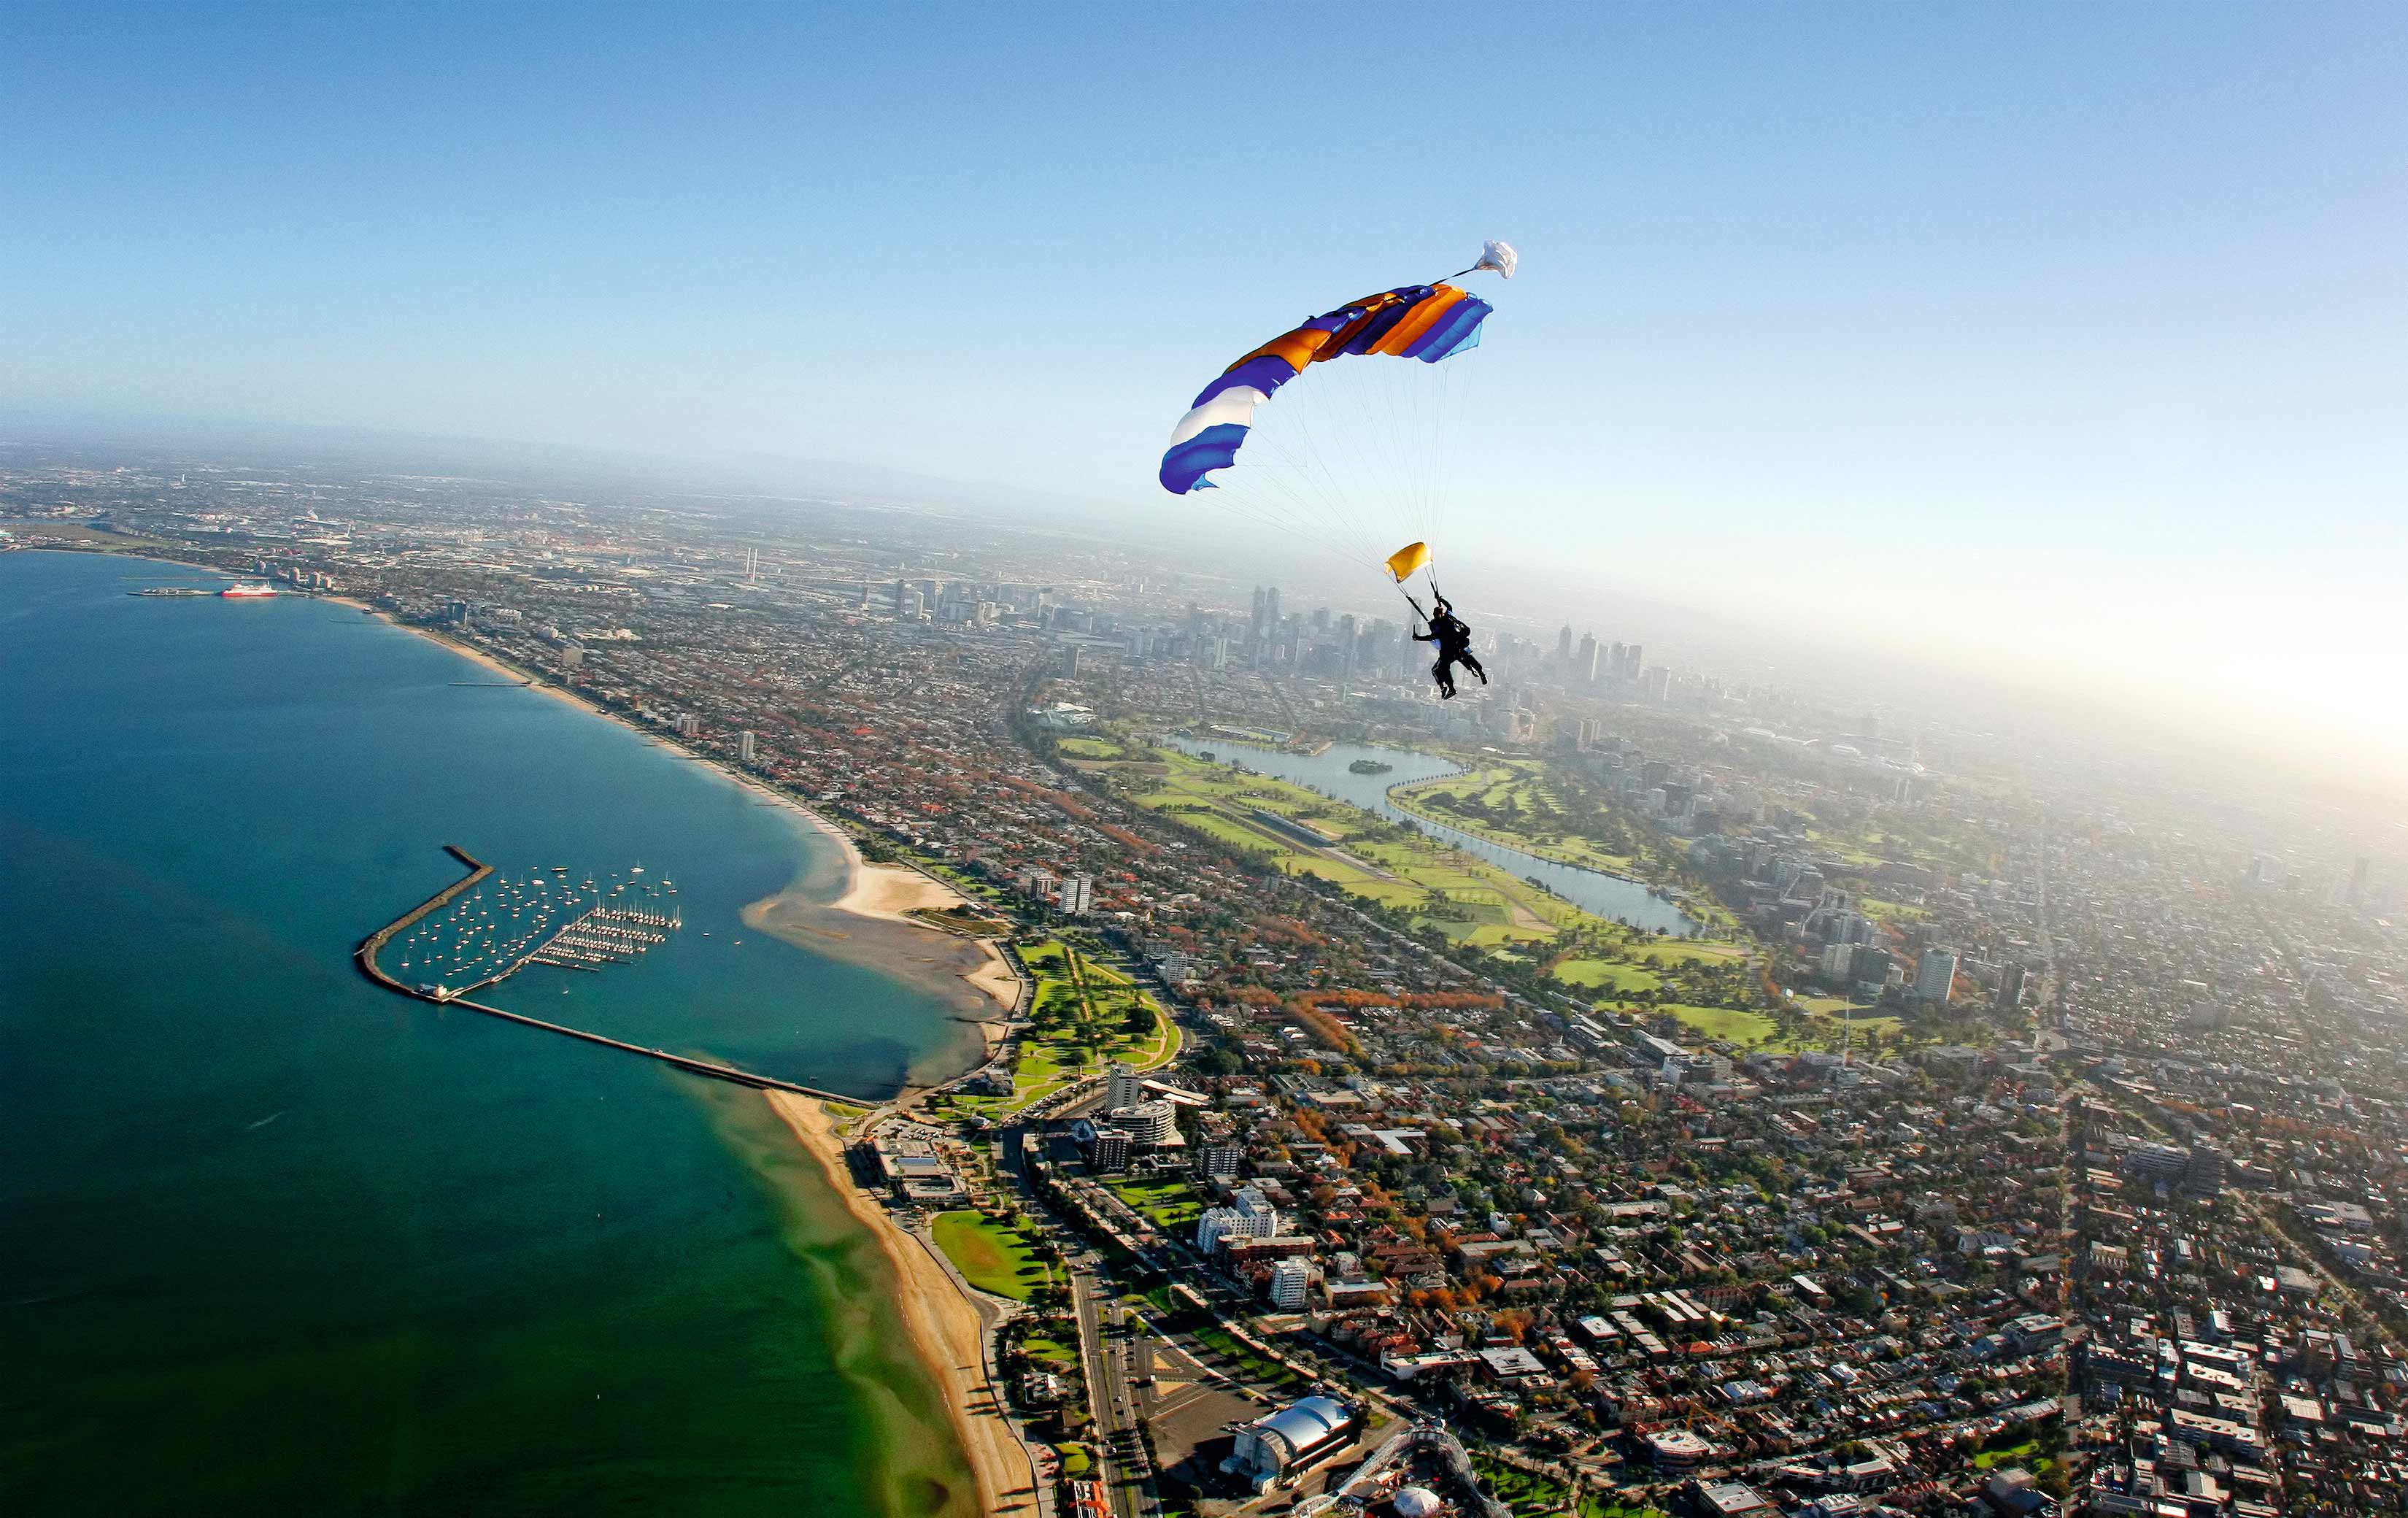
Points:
[[1425, 322], [1402, 563]]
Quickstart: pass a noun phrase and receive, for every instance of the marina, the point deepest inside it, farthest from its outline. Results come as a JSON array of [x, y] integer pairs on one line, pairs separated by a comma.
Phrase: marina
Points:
[[484, 943]]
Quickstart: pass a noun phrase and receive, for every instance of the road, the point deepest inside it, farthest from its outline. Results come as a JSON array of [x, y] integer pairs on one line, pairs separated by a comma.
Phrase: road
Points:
[[1107, 1393], [1121, 1462]]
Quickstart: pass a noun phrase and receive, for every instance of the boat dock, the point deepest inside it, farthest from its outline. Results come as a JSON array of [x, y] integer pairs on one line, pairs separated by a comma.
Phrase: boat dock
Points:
[[602, 935]]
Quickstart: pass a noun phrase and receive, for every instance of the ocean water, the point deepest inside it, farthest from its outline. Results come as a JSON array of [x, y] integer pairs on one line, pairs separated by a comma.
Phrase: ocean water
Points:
[[274, 1240], [1611, 897]]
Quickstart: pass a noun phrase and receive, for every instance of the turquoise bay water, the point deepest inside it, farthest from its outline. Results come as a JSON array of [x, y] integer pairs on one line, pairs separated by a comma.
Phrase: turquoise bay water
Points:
[[1607, 895], [274, 1240]]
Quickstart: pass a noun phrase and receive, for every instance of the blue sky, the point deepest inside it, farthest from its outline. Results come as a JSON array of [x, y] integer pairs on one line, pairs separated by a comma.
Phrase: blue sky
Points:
[[1927, 322]]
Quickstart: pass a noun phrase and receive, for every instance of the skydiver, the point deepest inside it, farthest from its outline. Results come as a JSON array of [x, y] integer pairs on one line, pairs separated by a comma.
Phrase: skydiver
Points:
[[1453, 641]]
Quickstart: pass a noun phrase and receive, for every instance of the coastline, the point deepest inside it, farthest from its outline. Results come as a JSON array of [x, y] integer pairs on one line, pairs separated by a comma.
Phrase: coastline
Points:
[[947, 1332], [867, 922]]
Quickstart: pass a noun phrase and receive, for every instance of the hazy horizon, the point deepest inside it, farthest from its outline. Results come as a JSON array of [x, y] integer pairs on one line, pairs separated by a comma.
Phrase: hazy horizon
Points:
[[2060, 346]]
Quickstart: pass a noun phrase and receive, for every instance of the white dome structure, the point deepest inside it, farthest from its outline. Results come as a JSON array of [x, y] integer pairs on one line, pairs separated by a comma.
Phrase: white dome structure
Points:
[[1416, 1502], [1287, 1440]]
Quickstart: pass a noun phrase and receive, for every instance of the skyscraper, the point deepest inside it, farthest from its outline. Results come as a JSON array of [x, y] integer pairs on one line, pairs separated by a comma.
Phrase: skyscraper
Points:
[[1935, 974], [1563, 642], [744, 748], [1584, 660]]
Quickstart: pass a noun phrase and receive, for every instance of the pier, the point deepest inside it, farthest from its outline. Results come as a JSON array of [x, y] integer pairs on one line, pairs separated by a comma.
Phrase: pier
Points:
[[615, 931]]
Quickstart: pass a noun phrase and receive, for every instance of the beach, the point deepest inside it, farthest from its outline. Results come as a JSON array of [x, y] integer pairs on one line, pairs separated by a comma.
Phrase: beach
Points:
[[945, 1328], [870, 923]]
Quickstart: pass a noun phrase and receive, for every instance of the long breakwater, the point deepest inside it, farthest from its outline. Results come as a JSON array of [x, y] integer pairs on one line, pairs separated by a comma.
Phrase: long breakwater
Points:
[[588, 940]]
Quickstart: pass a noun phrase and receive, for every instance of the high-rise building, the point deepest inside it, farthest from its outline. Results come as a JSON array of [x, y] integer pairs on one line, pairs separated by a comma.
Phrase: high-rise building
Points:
[[2010, 989], [745, 748], [1249, 1215], [1041, 884], [1836, 959], [1123, 1087], [1935, 974], [1870, 965], [1563, 642], [1291, 1280], [1219, 1162], [686, 724], [1585, 660], [1077, 896], [1108, 1150]]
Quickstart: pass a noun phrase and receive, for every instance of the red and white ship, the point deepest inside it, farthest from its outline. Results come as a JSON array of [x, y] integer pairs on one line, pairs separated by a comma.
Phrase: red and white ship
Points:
[[248, 589]]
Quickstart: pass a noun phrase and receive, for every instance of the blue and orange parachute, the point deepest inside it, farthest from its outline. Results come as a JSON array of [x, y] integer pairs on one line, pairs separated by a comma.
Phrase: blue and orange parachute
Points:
[[1427, 322]]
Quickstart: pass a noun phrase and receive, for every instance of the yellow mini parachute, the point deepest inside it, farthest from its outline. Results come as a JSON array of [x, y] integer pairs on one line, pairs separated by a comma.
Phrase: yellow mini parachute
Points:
[[1403, 563]]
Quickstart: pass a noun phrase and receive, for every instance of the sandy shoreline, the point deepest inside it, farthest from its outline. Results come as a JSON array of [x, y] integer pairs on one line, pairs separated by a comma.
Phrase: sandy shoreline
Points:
[[946, 1329], [890, 893]]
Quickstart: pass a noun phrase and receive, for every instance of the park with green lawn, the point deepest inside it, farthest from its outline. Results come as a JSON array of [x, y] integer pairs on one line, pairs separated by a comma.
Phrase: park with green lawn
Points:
[[1528, 1493], [1168, 1202], [1089, 748], [995, 1255], [1085, 1016], [1518, 803], [1468, 899], [1709, 984]]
